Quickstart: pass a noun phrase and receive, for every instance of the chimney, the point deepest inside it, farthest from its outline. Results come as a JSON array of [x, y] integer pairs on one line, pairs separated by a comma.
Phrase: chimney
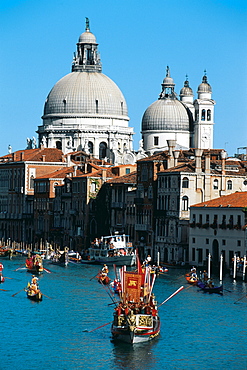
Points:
[[198, 154], [43, 157], [223, 162], [171, 146], [22, 156], [176, 155], [104, 174], [75, 170], [207, 163]]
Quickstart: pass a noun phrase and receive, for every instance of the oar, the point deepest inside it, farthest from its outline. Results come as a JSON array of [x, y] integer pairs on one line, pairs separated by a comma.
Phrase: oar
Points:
[[173, 294], [94, 276], [18, 292], [240, 298], [90, 331], [46, 296], [4, 290], [5, 277], [46, 270], [20, 267]]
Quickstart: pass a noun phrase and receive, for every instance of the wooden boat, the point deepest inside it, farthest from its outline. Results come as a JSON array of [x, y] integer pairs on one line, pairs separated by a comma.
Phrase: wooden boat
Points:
[[205, 288], [190, 279], [34, 264], [103, 279], [136, 318], [34, 296], [112, 250], [60, 258], [2, 279]]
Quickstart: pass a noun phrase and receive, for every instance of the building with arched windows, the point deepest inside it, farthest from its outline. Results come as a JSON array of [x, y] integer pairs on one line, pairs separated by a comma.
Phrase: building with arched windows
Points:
[[86, 110]]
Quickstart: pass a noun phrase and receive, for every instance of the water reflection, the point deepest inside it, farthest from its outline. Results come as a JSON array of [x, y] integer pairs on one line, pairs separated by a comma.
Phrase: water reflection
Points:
[[134, 357]]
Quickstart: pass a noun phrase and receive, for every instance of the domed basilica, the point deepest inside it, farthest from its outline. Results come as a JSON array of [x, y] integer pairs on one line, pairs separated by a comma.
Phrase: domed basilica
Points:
[[86, 110], [187, 121]]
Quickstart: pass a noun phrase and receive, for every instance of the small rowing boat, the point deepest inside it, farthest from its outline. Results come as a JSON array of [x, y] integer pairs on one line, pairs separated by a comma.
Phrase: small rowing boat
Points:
[[34, 296], [34, 264], [210, 289], [191, 279]]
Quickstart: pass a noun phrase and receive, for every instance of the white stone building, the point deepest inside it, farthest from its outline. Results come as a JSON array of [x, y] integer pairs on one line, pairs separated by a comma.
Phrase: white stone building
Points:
[[86, 110], [189, 122], [218, 227], [191, 177]]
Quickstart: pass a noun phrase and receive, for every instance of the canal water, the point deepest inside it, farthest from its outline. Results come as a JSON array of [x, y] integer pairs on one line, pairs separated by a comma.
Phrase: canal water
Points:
[[198, 330]]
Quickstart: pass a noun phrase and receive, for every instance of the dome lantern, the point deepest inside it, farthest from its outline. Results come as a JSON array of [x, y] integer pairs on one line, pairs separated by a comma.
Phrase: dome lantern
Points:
[[167, 86], [87, 57]]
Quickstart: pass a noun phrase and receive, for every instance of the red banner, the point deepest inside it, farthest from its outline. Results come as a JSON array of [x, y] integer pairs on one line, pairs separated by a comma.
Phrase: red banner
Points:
[[132, 287]]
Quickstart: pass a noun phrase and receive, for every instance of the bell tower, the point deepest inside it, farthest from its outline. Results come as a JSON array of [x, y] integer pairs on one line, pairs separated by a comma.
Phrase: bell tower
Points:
[[204, 116]]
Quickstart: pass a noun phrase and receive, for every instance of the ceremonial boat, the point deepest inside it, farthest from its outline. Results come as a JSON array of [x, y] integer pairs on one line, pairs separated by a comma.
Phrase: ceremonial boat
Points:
[[136, 318], [34, 264], [208, 289], [112, 250]]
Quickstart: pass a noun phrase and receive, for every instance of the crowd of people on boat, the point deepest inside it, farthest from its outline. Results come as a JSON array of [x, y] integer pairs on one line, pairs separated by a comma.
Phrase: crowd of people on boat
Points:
[[135, 308]]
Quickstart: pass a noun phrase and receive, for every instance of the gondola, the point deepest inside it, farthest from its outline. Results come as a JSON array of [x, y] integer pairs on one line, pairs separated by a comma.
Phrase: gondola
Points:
[[190, 279], [103, 279], [37, 297], [205, 288], [2, 279], [34, 264]]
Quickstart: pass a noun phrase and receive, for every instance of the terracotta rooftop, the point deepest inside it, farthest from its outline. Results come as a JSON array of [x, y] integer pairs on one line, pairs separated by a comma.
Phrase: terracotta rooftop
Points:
[[130, 178], [36, 155], [235, 200]]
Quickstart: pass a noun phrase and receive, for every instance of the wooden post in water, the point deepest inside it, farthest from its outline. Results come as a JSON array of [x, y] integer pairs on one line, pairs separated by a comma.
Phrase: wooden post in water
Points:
[[244, 265], [221, 267], [234, 266], [209, 261], [158, 259]]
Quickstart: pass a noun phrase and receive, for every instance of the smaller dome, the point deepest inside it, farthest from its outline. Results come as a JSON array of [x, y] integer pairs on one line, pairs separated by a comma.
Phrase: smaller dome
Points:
[[186, 90], [204, 87], [87, 37]]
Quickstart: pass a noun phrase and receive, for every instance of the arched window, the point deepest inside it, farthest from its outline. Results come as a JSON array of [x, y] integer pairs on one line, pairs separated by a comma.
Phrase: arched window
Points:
[[32, 182], [102, 150], [58, 145], [215, 184], [229, 185], [185, 182], [185, 203], [90, 147], [203, 114], [93, 187], [209, 115]]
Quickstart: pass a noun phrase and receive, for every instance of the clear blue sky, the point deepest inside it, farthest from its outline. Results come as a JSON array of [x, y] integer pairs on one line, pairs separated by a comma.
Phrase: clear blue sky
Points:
[[137, 40]]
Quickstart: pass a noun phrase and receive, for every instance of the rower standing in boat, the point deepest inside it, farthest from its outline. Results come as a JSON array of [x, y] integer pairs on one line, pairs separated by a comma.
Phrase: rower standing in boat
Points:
[[205, 276], [104, 272]]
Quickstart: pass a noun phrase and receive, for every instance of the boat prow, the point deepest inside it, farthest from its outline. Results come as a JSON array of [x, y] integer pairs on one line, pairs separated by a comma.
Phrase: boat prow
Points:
[[135, 328]]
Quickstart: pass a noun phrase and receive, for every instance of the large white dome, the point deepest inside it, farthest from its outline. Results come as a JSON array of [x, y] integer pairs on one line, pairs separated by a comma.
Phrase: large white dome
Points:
[[85, 94]]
